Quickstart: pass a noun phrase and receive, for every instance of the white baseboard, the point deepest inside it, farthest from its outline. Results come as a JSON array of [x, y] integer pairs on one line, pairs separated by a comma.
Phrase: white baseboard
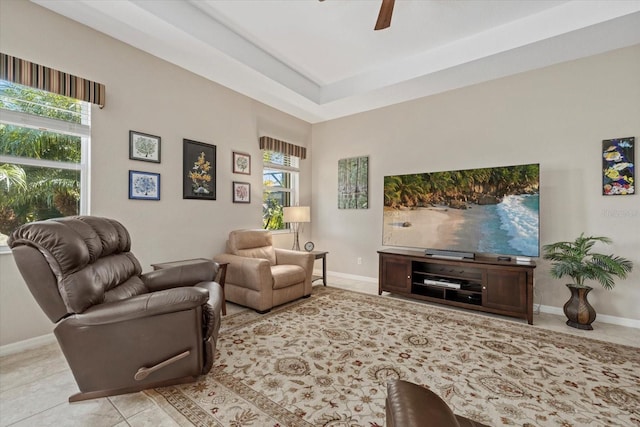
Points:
[[27, 344], [604, 318], [348, 276]]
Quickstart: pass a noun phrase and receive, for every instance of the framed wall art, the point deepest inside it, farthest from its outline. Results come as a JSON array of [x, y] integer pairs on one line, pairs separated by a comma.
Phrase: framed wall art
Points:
[[241, 163], [198, 170], [618, 167], [241, 192], [144, 185], [353, 183], [144, 147]]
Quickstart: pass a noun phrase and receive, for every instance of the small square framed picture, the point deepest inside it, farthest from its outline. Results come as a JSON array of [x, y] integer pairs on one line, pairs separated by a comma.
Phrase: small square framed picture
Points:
[[144, 185], [144, 147], [241, 192], [241, 163]]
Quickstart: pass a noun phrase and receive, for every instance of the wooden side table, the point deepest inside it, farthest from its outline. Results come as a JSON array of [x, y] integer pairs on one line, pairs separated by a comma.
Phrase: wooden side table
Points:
[[220, 278], [323, 256]]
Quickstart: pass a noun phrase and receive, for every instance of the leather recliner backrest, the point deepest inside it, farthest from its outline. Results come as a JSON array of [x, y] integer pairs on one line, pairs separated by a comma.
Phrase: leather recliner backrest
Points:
[[88, 258], [252, 244]]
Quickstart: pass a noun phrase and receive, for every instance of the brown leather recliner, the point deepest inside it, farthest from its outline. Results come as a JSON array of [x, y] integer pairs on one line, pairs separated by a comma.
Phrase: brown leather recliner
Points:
[[121, 331], [411, 405], [261, 276]]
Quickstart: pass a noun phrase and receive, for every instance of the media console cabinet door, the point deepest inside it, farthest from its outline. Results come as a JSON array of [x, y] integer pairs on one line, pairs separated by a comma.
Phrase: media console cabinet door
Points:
[[506, 290], [395, 274]]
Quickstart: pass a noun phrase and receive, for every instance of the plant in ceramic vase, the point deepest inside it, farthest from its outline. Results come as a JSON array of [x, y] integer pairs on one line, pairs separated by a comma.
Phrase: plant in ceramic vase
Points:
[[576, 260]]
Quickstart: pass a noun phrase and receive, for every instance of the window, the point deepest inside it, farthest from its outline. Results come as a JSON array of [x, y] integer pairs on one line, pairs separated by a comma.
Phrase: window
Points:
[[44, 152], [280, 181]]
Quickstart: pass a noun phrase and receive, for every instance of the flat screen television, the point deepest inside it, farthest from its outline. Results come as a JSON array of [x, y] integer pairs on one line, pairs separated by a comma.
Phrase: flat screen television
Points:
[[492, 210]]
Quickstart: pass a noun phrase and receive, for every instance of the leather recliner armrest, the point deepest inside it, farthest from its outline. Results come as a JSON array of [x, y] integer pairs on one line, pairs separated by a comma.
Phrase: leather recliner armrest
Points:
[[174, 277], [140, 306]]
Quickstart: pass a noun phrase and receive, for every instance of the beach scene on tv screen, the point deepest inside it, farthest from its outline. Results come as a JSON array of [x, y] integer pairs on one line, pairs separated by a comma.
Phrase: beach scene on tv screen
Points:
[[488, 210]]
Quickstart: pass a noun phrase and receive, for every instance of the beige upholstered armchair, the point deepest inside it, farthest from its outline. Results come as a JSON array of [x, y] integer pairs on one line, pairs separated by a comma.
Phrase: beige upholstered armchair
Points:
[[120, 330], [260, 276]]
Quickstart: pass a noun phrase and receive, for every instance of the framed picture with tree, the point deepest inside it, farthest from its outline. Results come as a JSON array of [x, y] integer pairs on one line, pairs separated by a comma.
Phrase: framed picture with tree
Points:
[[198, 170], [144, 147], [144, 185]]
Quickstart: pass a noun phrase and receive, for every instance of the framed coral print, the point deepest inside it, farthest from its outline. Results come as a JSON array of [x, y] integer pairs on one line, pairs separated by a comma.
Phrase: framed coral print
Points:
[[144, 147], [241, 192], [241, 163], [144, 185], [198, 170], [618, 167]]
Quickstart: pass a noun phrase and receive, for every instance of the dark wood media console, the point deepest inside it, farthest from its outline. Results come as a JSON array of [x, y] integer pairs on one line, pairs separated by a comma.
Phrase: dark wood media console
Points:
[[483, 283]]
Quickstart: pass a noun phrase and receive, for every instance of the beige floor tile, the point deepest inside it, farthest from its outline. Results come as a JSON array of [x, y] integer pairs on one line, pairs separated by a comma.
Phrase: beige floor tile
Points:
[[152, 417], [33, 398], [94, 413], [24, 367], [131, 404]]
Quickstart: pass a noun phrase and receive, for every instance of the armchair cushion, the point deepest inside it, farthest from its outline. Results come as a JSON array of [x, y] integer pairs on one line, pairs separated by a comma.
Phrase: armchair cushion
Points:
[[89, 256], [287, 275], [147, 305], [252, 244]]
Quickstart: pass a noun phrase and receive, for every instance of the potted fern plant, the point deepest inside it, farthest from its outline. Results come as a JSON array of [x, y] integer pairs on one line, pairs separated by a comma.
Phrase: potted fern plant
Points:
[[576, 260]]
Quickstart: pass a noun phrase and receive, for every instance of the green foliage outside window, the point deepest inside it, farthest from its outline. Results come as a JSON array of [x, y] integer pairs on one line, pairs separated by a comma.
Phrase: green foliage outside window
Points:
[[277, 184], [31, 192]]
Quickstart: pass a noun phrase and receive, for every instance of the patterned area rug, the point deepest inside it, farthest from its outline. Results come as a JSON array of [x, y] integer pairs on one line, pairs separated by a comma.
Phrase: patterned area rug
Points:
[[325, 360]]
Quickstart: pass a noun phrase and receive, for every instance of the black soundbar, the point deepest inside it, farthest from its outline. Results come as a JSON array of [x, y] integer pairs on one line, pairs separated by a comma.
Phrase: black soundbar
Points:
[[437, 253]]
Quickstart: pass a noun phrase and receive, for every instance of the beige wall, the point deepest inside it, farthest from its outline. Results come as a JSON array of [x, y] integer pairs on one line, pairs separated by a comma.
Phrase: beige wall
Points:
[[556, 116], [148, 95]]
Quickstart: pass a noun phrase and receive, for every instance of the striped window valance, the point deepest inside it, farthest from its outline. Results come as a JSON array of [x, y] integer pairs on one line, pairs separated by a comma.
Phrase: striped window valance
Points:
[[27, 73], [268, 143]]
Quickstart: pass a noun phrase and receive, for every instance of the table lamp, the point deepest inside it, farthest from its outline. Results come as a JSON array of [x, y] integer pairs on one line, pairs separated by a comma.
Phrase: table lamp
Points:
[[296, 215]]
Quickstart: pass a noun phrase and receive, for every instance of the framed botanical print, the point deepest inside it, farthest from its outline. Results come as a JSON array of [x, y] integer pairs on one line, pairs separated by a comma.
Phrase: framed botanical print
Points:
[[198, 170], [144, 185], [144, 147], [241, 163], [241, 192]]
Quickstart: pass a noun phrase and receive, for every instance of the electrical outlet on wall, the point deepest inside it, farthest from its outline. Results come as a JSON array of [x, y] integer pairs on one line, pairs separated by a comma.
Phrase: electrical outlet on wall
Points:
[[359, 260]]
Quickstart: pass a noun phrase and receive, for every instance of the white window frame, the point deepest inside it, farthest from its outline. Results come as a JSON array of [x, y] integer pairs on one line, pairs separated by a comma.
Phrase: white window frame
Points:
[[294, 188], [83, 130]]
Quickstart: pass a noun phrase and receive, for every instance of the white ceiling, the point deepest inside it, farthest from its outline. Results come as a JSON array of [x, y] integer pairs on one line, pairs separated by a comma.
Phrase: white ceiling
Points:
[[323, 60]]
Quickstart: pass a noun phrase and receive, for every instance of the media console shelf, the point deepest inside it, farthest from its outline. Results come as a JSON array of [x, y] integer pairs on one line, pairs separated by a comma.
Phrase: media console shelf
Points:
[[483, 283]]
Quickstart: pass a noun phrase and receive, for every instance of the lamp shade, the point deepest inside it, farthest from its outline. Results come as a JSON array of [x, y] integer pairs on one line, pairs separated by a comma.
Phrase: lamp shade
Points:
[[297, 214]]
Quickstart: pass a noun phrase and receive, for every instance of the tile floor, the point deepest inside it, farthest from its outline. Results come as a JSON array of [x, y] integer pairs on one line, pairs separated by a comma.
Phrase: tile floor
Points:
[[35, 384]]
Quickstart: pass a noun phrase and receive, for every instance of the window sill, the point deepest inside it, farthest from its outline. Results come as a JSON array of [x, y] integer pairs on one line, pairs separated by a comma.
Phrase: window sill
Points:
[[285, 231]]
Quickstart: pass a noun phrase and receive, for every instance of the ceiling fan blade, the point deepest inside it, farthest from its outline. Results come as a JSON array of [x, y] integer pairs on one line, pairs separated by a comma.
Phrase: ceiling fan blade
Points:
[[384, 17]]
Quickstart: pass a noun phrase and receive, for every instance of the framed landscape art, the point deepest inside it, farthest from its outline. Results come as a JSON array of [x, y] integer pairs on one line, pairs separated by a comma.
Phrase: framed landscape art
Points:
[[353, 183], [144, 147], [198, 170]]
